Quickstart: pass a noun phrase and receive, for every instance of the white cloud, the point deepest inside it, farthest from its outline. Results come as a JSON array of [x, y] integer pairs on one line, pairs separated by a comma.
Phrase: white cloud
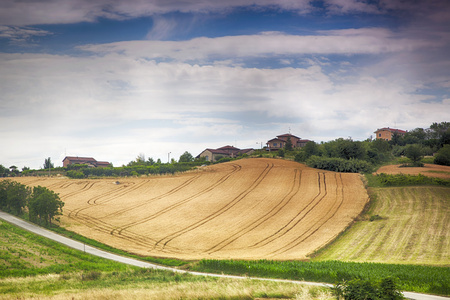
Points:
[[21, 13], [345, 42], [114, 107], [21, 35]]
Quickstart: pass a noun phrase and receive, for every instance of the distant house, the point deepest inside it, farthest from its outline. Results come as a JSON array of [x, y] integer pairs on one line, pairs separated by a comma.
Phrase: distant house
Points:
[[387, 133], [91, 162], [213, 155], [280, 142]]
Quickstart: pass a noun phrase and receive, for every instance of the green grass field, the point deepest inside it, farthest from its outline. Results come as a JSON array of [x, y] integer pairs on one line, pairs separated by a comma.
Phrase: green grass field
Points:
[[410, 225], [35, 267]]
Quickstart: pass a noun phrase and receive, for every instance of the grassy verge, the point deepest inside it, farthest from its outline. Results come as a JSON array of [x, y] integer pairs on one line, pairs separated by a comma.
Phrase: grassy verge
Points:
[[162, 261], [35, 267], [423, 279]]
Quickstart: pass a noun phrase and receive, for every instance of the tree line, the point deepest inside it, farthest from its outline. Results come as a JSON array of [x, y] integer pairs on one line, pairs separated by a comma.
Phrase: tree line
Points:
[[39, 203], [346, 155]]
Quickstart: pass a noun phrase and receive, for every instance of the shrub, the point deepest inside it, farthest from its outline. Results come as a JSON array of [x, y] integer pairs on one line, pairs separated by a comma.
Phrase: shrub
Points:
[[359, 289], [443, 156], [339, 164]]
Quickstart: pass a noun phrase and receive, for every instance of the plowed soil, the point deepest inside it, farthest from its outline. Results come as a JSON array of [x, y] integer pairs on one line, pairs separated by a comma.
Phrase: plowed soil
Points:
[[429, 170], [247, 209]]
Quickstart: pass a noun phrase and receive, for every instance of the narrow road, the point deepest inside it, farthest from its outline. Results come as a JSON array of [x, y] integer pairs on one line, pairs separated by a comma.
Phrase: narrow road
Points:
[[134, 262]]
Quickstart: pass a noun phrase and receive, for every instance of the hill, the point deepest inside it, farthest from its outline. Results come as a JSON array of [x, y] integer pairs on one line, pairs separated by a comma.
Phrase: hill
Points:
[[245, 209]]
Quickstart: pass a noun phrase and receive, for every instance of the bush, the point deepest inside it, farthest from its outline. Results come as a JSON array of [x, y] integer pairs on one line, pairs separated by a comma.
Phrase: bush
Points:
[[339, 164], [443, 156], [359, 289]]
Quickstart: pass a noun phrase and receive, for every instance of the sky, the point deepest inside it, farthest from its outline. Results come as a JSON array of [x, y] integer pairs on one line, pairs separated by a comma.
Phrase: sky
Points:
[[116, 79]]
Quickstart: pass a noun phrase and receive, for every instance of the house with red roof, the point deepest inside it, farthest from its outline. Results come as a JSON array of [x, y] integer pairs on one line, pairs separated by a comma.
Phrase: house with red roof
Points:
[[213, 155], [280, 142], [387, 133], [91, 162]]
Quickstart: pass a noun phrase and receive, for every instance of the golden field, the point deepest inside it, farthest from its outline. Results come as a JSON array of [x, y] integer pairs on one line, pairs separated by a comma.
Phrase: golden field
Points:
[[429, 170], [247, 209]]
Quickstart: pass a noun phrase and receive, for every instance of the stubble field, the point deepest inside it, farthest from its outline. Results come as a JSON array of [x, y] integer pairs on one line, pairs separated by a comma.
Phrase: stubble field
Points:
[[245, 209]]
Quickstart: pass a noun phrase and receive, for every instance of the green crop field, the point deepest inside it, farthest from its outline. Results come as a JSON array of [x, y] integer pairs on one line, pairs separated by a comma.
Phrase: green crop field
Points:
[[404, 225]]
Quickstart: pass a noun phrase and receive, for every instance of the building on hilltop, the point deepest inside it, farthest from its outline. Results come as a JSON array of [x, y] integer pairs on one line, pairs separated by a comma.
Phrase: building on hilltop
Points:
[[91, 162], [280, 142], [213, 155], [387, 133]]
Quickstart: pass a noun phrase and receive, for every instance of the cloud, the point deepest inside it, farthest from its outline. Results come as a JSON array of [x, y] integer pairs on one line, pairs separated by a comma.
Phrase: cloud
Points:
[[22, 13], [90, 105], [21, 35], [345, 42]]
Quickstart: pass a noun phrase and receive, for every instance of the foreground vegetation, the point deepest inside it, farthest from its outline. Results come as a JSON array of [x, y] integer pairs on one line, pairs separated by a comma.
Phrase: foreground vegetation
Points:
[[33, 266], [424, 279]]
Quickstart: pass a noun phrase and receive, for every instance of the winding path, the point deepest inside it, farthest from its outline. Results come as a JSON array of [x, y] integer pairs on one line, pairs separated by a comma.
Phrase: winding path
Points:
[[134, 262]]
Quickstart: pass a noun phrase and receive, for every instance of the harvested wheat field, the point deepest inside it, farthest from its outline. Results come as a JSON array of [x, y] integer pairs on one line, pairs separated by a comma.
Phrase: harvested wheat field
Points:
[[247, 209], [429, 170]]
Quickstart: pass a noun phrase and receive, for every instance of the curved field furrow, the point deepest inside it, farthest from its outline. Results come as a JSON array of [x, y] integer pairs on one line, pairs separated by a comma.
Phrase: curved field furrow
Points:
[[220, 211], [161, 212], [265, 218], [321, 193], [91, 203], [337, 200], [246, 209], [146, 202]]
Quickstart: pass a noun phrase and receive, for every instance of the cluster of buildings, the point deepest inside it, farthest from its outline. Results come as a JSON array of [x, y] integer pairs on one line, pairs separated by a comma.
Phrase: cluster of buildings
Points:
[[213, 155]]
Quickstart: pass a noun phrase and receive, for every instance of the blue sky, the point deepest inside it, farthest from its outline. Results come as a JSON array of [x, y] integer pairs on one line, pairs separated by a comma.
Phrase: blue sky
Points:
[[114, 79]]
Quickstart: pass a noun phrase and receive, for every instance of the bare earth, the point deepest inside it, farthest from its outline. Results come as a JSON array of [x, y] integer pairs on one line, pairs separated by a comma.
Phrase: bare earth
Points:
[[247, 209], [429, 170]]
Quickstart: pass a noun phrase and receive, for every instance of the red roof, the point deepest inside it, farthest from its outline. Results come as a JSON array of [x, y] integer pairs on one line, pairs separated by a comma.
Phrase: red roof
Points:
[[391, 130], [287, 135]]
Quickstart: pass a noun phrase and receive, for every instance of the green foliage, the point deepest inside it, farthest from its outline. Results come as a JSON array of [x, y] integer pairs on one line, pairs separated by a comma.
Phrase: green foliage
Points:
[[443, 156], [417, 278], [406, 180], [288, 146], [359, 289], [339, 164], [13, 196], [186, 157], [75, 174], [281, 152], [48, 164], [44, 204], [414, 153]]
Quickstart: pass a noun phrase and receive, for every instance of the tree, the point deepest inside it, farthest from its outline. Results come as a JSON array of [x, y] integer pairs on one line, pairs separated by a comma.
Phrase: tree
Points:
[[443, 156], [186, 157], [16, 197], [311, 148], [44, 204], [414, 153], [288, 146], [48, 163]]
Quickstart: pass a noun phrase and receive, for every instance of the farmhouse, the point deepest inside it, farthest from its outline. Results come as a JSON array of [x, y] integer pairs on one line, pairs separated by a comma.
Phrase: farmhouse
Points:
[[387, 133], [226, 151], [280, 142], [91, 162]]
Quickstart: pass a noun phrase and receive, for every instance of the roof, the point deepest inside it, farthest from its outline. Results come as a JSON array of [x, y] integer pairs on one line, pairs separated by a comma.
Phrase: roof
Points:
[[276, 140], [288, 135], [76, 158], [391, 130]]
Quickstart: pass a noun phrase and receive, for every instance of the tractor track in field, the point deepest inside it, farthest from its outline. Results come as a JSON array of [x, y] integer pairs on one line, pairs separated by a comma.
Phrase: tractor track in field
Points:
[[295, 188], [218, 212], [147, 201], [288, 226], [311, 231], [236, 168]]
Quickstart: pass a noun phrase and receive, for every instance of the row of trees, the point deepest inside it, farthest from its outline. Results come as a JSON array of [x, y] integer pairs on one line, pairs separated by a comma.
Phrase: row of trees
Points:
[[41, 204], [358, 156]]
